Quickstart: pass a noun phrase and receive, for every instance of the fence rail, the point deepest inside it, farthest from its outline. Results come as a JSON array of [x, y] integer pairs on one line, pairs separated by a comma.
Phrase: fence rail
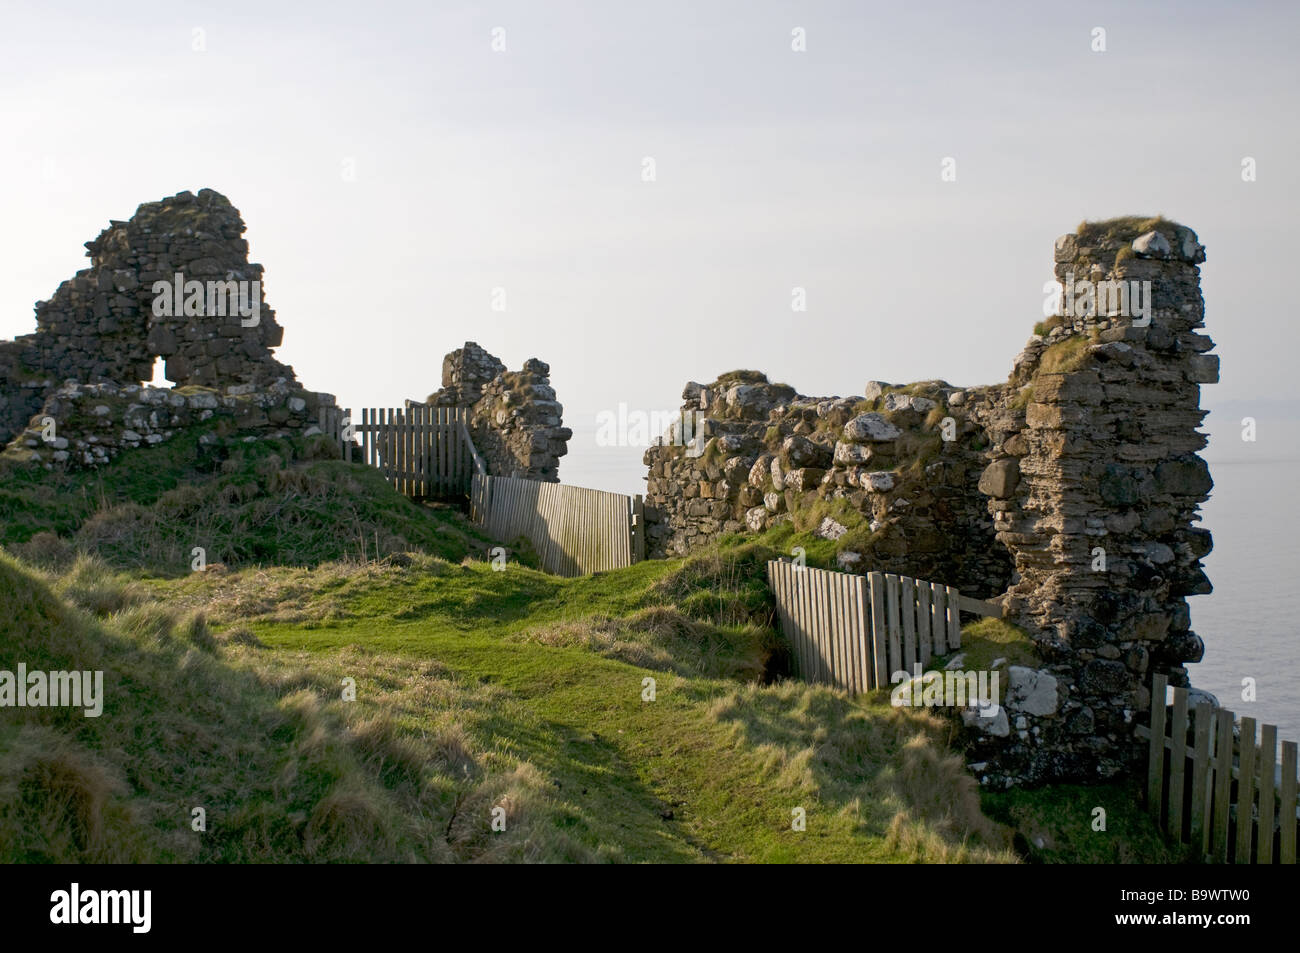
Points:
[[1225, 805], [574, 530], [854, 631]]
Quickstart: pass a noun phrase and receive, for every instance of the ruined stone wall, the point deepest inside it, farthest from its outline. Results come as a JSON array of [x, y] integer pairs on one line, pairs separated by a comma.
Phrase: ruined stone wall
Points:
[[94, 423], [515, 421], [101, 326], [872, 474], [1071, 490]]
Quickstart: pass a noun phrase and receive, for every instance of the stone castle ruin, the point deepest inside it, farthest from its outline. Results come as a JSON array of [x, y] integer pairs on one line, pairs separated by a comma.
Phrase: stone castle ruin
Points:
[[1069, 492], [100, 325], [174, 282], [515, 421]]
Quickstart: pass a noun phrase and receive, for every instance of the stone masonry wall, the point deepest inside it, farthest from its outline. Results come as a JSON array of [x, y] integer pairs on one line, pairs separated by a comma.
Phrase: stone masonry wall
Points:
[[100, 325], [871, 473], [515, 421], [94, 423], [97, 338]]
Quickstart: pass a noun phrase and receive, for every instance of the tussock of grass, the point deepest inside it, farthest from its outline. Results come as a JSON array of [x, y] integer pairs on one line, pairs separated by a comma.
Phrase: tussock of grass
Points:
[[887, 768], [1043, 328], [729, 578], [95, 587], [239, 635], [1065, 356], [741, 376], [60, 801]]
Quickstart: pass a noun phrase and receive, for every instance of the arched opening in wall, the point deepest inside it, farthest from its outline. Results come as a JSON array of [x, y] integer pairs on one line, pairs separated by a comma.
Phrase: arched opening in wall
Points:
[[159, 378]]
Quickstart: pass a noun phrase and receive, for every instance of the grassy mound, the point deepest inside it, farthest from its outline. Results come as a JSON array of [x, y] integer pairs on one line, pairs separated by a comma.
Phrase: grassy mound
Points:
[[283, 769], [283, 502], [429, 707], [474, 701]]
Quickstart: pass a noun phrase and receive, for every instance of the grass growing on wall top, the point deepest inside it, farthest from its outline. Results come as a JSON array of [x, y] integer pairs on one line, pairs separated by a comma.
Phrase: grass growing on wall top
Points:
[[986, 640], [1124, 229], [1068, 355]]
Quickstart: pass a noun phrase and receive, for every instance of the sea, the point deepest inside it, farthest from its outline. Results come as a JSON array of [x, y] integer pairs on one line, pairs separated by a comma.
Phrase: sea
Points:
[[1249, 623]]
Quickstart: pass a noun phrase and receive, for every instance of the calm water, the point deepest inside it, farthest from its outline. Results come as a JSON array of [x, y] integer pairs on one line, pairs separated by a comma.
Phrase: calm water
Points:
[[1249, 623]]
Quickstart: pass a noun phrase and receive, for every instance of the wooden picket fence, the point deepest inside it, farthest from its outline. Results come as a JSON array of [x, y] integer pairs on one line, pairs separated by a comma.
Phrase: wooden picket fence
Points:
[[426, 451], [854, 631], [423, 450], [1222, 793], [574, 530]]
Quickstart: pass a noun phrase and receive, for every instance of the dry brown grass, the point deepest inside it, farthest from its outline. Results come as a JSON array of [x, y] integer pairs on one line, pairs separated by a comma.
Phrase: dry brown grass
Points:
[[92, 585], [294, 595], [346, 823], [413, 730], [663, 638], [890, 768]]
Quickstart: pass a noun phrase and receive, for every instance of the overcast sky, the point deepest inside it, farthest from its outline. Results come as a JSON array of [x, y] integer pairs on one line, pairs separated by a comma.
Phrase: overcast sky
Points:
[[522, 169]]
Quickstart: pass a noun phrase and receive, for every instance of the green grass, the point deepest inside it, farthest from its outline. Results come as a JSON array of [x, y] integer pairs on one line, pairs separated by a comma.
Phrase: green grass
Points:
[[731, 761], [475, 689], [285, 502], [1122, 231], [1043, 328], [458, 709], [986, 640], [1057, 825], [741, 376]]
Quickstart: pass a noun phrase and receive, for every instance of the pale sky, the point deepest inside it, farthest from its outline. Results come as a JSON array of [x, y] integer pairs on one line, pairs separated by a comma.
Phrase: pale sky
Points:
[[522, 170]]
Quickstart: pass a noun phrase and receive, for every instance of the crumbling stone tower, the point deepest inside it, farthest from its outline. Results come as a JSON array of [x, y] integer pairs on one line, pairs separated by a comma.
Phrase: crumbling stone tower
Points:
[[1095, 483]]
